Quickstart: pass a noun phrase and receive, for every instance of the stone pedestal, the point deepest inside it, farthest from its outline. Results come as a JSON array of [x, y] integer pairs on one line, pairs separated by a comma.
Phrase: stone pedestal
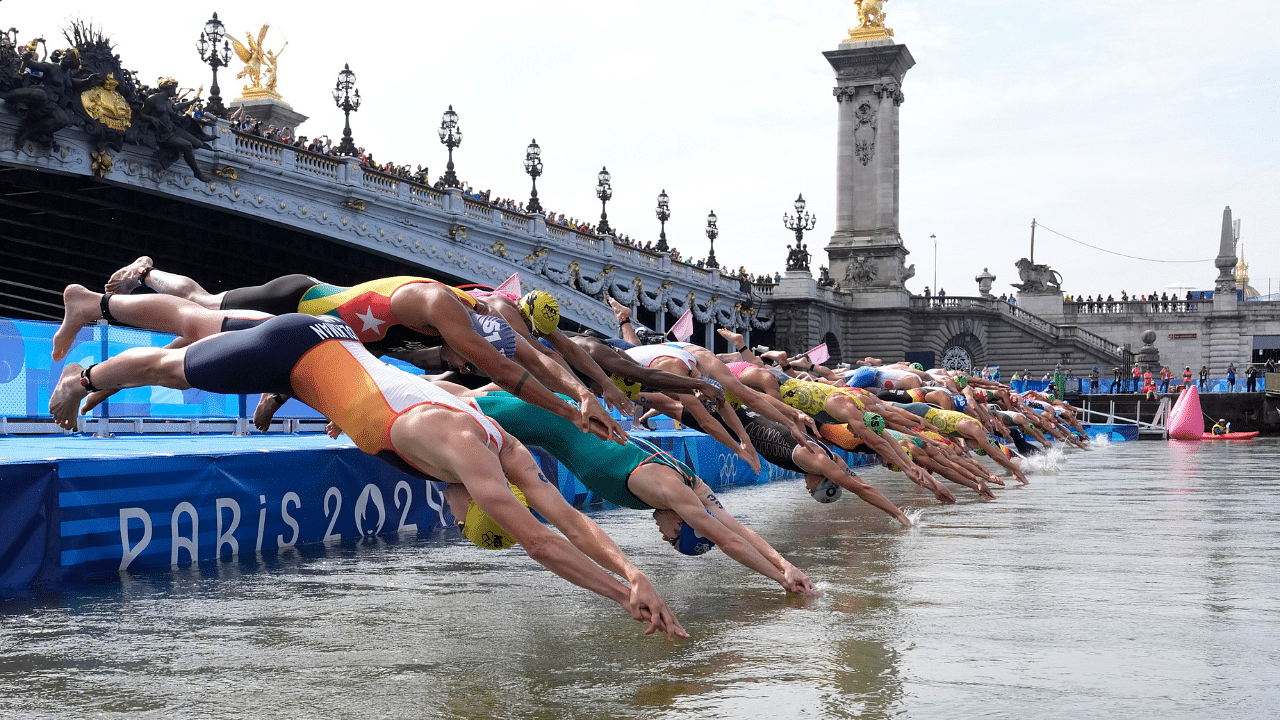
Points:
[[1041, 304], [270, 111], [866, 250]]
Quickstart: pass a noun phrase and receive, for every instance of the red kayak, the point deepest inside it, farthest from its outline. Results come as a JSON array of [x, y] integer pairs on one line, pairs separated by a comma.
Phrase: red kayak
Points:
[[1230, 436]]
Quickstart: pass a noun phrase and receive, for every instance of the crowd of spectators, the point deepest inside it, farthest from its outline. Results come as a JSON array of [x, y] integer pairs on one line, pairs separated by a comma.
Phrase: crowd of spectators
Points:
[[1159, 302], [323, 145]]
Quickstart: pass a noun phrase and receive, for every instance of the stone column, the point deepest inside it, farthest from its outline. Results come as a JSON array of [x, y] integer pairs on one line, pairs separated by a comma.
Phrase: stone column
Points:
[[866, 252]]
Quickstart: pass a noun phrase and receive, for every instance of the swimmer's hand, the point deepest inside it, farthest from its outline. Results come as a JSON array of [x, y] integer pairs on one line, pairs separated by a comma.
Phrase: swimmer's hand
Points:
[[646, 605], [797, 582], [593, 419], [332, 430]]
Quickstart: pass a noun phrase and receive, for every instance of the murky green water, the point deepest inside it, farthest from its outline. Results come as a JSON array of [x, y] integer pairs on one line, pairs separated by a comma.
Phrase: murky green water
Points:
[[1136, 580]]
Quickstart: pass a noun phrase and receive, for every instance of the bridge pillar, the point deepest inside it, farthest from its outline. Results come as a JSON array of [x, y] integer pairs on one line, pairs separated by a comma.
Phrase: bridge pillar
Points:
[[866, 252]]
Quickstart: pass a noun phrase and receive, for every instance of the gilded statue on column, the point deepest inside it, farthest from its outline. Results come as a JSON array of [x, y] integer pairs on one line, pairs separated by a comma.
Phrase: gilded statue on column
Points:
[[260, 64], [870, 22]]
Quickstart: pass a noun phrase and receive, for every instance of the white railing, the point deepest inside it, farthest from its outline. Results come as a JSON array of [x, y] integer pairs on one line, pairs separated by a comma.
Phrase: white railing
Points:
[[260, 149], [426, 196], [384, 184], [317, 165]]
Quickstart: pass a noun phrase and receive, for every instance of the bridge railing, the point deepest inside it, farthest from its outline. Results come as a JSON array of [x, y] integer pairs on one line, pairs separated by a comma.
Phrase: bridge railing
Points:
[[1064, 333], [1136, 307]]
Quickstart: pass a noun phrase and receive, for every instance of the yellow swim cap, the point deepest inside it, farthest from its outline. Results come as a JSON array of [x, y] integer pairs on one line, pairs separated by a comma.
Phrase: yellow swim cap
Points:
[[543, 310], [481, 529]]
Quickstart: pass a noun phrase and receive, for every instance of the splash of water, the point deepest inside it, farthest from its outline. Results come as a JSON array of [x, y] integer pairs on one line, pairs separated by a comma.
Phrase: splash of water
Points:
[[1044, 462]]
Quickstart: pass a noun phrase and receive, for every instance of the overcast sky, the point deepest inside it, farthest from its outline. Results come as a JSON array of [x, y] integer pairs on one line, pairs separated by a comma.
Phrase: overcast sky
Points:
[[1124, 125]]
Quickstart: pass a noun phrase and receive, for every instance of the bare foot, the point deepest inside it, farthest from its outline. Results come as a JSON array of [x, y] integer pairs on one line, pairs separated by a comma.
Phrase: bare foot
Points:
[[734, 339], [128, 278], [65, 399], [266, 410], [619, 310], [81, 306]]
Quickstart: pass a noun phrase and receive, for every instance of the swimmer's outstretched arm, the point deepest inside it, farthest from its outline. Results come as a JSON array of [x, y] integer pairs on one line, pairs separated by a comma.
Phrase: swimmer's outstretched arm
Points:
[[660, 486], [453, 452], [793, 579], [645, 602]]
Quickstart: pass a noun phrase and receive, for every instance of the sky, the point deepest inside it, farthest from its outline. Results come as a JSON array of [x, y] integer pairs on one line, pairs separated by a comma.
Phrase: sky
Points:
[[1122, 129]]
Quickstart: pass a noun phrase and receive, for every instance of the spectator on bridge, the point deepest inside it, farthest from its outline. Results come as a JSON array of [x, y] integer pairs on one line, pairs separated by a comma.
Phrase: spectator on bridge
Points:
[[1271, 365], [1117, 383], [1251, 377], [1204, 378], [1186, 378], [1124, 296], [1231, 377], [942, 292], [1094, 380], [1137, 377], [1165, 376]]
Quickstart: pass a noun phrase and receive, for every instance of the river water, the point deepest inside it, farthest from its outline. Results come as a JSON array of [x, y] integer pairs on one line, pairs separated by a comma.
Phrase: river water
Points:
[[1132, 580]]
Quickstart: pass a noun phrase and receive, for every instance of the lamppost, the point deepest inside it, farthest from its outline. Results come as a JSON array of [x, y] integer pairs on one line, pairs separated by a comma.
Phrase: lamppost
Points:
[[533, 166], [934, 238], [712, 233], [604, 191], [798, 259], [347, 97], [451, 136], [664, 214], [214, 32]]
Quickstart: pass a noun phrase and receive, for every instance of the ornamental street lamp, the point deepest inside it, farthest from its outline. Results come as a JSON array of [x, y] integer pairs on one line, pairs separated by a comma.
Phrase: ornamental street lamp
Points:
[[214, 57], [798, 259], [347, 97], [664, 214], [451, 137], [604, 191], [533, 166], [934, 238], [712, 233]]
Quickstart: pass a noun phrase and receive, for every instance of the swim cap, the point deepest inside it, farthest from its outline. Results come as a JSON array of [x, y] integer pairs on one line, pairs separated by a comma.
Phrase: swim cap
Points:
[[962, 380], [709, 405], [496, 332], [690, 542], [542, 309], [874, 421], [827, 491], [481, 529], [917, 366], [960, 402]]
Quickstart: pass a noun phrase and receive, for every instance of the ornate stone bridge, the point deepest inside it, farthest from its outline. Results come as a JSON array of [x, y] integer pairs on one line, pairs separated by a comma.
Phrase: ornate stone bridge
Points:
[[76, 213]]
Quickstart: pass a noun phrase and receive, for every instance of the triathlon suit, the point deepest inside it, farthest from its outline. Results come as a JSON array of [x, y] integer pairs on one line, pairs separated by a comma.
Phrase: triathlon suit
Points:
[[772, 440], [808, 397], [365, 307], [648, 354], [603, 467], [946, 421], [320, 361], [902, 396], [884, 377]]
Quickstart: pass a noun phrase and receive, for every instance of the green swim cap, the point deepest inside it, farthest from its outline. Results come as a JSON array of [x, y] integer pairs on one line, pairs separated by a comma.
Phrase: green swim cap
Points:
[[962, 380], [874, 421], [917, 366]]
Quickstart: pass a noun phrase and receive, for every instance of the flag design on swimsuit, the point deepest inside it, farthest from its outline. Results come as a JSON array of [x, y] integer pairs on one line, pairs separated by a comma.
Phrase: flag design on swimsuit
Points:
[[366, 307]]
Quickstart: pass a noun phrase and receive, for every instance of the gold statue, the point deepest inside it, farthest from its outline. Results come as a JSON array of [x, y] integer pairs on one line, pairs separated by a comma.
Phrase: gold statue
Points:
[[106, 105], [256, 59], [870, 21]]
